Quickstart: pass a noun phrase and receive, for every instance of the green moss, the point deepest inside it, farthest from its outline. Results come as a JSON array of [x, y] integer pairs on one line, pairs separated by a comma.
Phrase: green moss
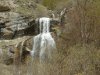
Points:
[[50, 4], [30, 8]]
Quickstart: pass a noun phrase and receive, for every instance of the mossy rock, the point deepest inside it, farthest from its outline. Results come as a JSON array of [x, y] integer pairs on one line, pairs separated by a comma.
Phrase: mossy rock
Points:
[[30, 8]]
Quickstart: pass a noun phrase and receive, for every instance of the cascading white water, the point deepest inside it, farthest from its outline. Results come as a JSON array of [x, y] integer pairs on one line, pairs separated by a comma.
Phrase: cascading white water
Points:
[[43, 42]]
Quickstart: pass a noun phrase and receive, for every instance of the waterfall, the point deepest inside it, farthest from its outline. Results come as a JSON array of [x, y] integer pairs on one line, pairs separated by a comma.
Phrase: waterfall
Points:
[[43, 43]]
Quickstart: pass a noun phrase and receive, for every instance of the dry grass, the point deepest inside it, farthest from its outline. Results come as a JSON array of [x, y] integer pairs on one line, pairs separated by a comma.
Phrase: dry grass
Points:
[[78, 60]]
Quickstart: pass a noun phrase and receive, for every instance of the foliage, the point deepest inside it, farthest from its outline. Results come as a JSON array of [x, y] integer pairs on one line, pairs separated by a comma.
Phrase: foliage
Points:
[[52, 4]]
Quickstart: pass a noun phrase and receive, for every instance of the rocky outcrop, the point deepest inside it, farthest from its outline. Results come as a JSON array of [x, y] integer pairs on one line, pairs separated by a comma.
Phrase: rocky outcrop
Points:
[[12, 24], [17, 17]]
